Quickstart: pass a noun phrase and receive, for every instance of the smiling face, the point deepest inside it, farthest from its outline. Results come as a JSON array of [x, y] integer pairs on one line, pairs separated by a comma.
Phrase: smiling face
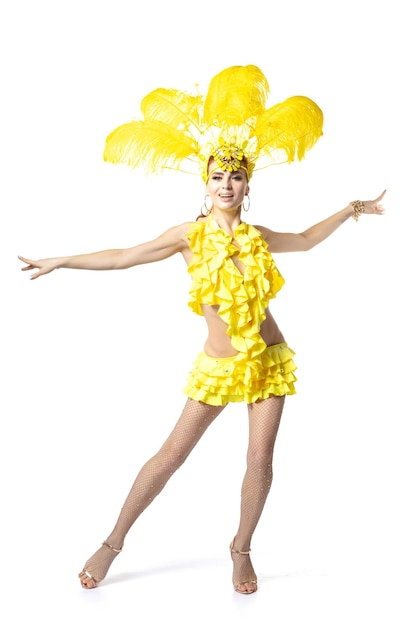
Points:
[[226, 189]]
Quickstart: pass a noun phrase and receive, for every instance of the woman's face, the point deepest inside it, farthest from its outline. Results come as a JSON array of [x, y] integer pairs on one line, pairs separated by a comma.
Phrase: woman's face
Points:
[[226, 189]]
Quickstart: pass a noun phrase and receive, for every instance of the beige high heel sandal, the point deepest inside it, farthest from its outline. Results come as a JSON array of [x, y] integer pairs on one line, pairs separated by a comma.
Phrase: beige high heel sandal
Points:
[[96, 581], [243, 582]]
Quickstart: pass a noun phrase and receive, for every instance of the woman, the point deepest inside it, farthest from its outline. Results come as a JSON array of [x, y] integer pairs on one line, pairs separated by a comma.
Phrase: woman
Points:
[[245, 357]]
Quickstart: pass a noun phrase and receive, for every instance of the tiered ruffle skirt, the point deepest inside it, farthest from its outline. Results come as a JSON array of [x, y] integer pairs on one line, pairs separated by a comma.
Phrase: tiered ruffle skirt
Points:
[[218, 381]]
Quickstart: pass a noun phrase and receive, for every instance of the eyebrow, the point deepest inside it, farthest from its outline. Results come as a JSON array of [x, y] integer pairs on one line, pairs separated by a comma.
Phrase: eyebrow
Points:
[[222, 172]]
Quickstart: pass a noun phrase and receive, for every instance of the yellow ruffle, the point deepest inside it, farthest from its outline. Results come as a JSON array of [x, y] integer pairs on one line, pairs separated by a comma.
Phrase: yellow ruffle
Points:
[[216, 280], [220, 381]]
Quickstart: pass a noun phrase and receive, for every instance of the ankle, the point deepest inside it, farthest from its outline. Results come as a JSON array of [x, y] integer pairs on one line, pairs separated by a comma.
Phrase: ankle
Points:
[[240, 547], [114, 543]]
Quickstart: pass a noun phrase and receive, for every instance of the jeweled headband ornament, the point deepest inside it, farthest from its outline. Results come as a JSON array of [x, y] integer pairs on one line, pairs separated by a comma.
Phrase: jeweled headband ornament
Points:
[[231, 124], [228, 157]]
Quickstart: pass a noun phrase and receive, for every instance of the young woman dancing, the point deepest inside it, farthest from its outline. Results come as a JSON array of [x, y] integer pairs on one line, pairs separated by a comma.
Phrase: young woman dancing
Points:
[[233, 278]]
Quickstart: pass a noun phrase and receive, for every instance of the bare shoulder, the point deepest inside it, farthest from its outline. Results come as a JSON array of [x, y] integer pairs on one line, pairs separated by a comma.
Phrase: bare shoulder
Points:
[[176, 235], [266, 232], [178, 229]]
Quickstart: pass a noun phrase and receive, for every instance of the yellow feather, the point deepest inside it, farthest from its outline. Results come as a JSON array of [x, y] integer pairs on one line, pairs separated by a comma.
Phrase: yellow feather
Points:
[[177, 126], [173, 107], [235, 95], [293, 126], [151, 144]]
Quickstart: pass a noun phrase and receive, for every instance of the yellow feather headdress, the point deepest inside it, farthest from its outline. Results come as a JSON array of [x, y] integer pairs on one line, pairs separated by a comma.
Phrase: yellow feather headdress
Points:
[[230, 124]]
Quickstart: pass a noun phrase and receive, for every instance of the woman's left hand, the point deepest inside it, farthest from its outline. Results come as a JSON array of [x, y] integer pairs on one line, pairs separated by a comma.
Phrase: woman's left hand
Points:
[[374, 207]]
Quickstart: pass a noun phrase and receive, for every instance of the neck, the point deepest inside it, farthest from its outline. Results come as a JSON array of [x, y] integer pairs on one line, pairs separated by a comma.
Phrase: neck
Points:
[[227, 220]]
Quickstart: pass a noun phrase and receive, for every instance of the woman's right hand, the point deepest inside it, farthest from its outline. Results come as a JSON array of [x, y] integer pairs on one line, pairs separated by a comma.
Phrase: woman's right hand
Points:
[[44, 266]]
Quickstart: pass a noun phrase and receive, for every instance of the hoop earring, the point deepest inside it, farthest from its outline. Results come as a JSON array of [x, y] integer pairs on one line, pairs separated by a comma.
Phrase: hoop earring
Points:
[[207, 208], [247, 207]]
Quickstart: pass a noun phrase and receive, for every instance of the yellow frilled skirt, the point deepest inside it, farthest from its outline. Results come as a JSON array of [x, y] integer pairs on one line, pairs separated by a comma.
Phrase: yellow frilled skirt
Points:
[[218, 381]]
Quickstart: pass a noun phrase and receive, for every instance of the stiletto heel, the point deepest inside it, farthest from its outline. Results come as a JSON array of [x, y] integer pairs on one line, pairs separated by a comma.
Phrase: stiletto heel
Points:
[[236, 585]]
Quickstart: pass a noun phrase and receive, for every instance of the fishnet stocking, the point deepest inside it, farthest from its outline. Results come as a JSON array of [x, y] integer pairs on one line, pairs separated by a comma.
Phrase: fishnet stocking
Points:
[[152, 478], [264, 420]]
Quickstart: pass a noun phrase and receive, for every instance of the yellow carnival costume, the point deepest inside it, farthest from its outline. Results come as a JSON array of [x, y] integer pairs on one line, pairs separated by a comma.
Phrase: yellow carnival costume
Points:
[[256, 372], [232, 126]]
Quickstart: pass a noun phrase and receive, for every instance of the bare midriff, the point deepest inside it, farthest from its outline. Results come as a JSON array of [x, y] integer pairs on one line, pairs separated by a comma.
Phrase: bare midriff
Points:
[[218, 343]]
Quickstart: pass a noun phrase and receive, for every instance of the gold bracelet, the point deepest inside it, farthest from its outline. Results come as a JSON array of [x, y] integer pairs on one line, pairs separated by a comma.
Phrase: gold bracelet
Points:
[[358, 208]]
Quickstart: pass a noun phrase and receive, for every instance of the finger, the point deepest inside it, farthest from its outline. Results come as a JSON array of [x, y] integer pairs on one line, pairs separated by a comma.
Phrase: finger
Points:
[[28, 261], [381, 196]]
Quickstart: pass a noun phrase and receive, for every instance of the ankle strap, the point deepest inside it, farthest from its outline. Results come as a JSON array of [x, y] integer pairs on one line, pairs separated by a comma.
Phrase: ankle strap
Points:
[[111, 547], [232, 549]]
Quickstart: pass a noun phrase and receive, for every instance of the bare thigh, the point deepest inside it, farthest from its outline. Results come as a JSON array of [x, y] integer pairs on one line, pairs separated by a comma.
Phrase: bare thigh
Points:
[[195, 418], [264, 421]]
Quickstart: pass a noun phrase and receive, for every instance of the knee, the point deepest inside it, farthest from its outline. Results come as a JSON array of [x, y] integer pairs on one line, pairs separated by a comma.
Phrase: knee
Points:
[[171, 457], [259, 456]]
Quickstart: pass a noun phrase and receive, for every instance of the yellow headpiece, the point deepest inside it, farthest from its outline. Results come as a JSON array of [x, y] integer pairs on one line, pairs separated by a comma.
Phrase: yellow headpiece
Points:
[[230, 124]]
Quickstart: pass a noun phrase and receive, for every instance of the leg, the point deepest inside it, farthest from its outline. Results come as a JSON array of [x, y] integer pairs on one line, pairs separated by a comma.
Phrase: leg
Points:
[[152, 478], [264, 420]]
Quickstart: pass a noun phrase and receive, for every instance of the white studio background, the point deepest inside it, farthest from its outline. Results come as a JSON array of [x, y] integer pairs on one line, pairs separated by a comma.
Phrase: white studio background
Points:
[[93, 363]]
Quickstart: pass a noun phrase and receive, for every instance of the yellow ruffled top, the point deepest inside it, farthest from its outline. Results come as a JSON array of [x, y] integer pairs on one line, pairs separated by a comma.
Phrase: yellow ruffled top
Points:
[[216, 280]]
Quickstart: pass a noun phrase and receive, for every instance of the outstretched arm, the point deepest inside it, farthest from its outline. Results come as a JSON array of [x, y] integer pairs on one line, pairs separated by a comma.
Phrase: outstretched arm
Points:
[[164, 246], [295, 242]]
